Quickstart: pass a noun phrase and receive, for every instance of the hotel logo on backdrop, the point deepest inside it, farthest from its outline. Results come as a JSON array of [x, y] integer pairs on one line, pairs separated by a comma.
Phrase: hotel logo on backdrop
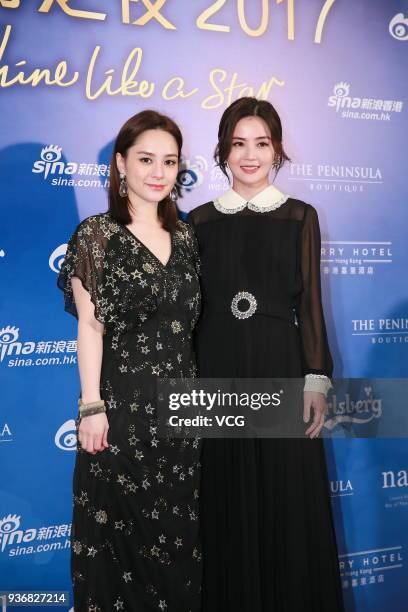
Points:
[[6, 435], [394, 484], [395, 479], [355, 258], [341, 488], [336, 177], [351, 107], [368, 567], [15, 353], [381, 331]]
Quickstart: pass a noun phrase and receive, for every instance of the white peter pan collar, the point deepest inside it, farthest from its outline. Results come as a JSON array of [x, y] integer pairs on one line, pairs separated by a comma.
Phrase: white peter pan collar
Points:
[[269, 199]]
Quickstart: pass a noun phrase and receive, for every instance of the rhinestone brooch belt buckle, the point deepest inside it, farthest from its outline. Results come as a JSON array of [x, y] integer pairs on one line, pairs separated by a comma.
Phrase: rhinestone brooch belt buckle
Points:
[[243, 314]]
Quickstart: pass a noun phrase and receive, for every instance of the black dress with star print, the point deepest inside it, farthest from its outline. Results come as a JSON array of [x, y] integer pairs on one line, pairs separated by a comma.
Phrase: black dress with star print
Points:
[[135, 518]]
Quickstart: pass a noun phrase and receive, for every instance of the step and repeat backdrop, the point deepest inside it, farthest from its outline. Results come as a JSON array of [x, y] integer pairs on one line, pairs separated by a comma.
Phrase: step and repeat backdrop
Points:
[[71, 72]]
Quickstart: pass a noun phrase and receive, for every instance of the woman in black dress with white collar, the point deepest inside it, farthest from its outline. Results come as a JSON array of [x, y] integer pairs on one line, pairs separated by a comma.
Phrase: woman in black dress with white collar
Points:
[[267, 532]]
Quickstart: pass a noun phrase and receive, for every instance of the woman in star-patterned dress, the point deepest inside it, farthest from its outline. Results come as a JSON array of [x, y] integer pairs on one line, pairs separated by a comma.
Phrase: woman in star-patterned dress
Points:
[[130, 275]]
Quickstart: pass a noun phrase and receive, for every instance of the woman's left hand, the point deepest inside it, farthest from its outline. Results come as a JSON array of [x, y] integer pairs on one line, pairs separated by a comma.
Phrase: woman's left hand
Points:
[[317, 401]]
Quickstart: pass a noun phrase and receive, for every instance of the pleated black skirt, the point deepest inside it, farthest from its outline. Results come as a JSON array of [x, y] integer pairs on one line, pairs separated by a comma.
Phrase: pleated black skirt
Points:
[[266, 524]]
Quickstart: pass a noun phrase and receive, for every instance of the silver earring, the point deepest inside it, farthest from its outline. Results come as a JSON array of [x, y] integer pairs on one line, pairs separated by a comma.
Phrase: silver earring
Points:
[[277, 162], [174, 195], [123, 188]]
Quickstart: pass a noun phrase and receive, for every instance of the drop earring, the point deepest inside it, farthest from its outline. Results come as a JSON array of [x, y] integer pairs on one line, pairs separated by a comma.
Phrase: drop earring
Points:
[[174, 195], [123, 188], [277, 162]]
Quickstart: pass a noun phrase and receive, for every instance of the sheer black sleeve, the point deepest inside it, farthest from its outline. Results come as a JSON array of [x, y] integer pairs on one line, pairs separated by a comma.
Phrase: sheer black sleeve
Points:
[[316, 357], [84, 259]]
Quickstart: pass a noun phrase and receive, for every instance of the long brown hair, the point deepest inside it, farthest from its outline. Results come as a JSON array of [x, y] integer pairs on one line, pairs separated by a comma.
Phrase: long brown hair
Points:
[[128, 133], [249, 107]]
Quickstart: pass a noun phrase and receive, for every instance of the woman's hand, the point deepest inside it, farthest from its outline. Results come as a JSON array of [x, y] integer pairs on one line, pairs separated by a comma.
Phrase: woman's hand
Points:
[[317, 401], [93, 433]]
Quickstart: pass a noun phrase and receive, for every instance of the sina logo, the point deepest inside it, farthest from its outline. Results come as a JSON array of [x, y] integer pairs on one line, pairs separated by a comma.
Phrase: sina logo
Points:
[[9, 530], [66, 438], [341, 98], [360, 411], [50, 162], [191, 173], [9, 344], [398, 27], [57, 257]]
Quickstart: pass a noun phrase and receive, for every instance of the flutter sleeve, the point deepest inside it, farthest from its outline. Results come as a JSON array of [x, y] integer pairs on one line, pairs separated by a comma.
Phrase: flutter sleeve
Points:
[[317, 362], [84, 259]]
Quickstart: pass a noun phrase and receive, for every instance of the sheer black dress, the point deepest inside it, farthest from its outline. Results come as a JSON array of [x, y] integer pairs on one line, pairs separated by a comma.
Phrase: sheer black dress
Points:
[[267, 534], [135, 520]]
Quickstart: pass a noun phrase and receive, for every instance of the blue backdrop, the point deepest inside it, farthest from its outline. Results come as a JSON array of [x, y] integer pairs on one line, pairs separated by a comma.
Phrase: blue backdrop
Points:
[[71, 72]]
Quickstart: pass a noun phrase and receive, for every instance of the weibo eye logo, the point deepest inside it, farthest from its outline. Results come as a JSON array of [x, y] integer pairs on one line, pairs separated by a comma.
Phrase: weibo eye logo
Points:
[[341, 90], [52, 153], [57, 257], [8, 334], [66, 438], [9, 523], [398, 27], [191, 173]]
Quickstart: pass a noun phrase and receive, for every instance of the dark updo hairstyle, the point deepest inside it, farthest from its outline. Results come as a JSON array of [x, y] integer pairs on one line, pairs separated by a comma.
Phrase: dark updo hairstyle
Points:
[[128, 133], [249, 107]]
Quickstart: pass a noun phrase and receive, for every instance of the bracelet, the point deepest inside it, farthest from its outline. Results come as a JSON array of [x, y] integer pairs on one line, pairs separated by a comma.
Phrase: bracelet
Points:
[[90, 408], [318, 383]]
